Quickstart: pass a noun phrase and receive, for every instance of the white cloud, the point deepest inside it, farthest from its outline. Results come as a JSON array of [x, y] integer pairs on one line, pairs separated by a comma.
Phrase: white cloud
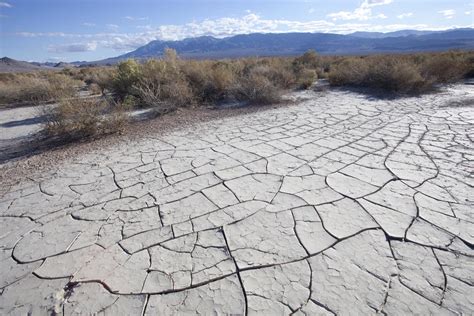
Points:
[[378, 2], [132, 18], [145, 27], [88, 24], [5, 5], [405, 15], [362, 13], [112, 27], [54, 59], [468, 12], [73, 48], [312, 10], [223, 27], [448, 14], [42, 34]]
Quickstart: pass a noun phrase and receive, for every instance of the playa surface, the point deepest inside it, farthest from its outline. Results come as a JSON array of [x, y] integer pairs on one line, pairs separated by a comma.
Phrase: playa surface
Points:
[[339, 204]]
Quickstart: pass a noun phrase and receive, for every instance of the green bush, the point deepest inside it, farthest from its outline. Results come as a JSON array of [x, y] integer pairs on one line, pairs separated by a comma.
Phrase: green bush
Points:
[[126, 77], [306, 78]]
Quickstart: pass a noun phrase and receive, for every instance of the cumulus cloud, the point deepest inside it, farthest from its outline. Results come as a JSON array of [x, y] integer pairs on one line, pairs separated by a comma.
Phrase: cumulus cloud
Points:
[[73, 48], [448, 14], [88, 24], [5, 5], [362, 13], [405, 15]]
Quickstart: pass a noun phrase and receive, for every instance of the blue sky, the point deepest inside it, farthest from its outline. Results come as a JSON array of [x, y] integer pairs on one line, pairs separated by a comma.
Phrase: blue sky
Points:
[[68, 30]]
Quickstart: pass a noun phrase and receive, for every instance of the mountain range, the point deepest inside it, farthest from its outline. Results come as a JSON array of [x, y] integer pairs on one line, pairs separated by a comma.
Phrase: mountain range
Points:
[[286, 44], [12, 65]]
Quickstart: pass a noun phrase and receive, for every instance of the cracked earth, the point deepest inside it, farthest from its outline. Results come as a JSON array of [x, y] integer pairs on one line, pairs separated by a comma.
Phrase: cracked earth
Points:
[[337, 205]]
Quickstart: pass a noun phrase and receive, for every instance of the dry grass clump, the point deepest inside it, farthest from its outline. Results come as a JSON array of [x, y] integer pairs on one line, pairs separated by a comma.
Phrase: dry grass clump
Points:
[[162, 84], [36, 87], [170, 82], [210, 81], [444, 68], [95, 89], [257, 88], [100, 77], [84, 117], [401, 73], [379, 72], [306, 78]]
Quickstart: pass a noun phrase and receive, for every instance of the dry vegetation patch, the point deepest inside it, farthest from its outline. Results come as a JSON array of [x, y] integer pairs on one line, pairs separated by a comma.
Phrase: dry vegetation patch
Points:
[[84, 118], [36, 87], [407, 74], [170, 83]]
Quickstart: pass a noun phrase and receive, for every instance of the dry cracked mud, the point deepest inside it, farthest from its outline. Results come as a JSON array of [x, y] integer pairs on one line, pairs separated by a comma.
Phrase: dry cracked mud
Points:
[[340, 204]]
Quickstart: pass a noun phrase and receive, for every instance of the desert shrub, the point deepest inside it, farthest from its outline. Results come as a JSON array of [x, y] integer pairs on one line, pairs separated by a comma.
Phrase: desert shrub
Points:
[[24, 89], [209, 81], [62, 86], [380, 72], [72, 72], [126, 77], [306, 78], [309, 59], [34, 88], [94, 88], [279, 73], [444, 68], [220, 81], [130, 102], [103, 77], [164, 97], [257, 89], [410, 74], [351, 72], [162, 84], [83, 117], [392, 74]]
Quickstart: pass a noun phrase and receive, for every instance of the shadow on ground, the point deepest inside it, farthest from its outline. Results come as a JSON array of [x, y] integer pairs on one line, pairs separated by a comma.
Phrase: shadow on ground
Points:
[[28, 121], [29, 146]]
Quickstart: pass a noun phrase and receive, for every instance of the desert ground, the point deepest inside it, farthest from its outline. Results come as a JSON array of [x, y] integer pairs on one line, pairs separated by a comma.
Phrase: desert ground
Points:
[[337, 204]]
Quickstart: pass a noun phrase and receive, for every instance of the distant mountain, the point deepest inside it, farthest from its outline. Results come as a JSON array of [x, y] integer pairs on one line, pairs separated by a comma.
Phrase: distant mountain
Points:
[[390, 34], [63, 65], [287, 44], [12, 65], [45, 64]]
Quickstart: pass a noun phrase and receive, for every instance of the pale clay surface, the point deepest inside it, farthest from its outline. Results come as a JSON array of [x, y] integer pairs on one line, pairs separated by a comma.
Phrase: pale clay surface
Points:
[[337, 205]]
